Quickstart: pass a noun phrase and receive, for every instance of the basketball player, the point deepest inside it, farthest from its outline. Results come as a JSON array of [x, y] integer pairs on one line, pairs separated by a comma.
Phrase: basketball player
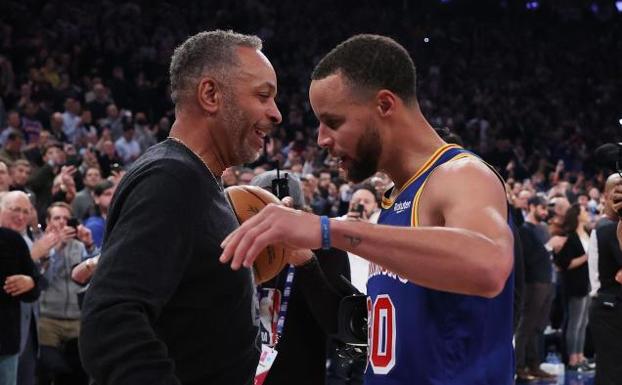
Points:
[[161, 309], [440, 283]]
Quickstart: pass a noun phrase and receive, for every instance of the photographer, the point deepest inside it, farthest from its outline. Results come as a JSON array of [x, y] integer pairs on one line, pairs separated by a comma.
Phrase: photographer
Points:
[[606, 310], [312, 307], [363, 207]]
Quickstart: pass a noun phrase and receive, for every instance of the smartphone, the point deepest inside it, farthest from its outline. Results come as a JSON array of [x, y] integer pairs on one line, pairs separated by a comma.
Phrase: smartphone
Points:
[[73, 222], [359, 208]]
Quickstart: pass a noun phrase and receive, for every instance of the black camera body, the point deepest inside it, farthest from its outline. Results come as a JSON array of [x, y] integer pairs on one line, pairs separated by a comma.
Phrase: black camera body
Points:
[[352, 320]]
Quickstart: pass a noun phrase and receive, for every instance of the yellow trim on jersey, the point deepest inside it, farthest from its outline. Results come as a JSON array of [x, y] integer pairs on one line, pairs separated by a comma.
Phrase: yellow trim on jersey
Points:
[[387, 202], [414, 222]]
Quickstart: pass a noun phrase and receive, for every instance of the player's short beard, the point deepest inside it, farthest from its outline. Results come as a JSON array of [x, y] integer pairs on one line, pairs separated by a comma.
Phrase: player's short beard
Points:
[[368, 150], [240, 127]]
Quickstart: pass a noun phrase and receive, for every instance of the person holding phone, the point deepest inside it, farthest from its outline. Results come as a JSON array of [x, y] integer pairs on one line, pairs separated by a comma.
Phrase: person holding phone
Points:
[[60, 315]]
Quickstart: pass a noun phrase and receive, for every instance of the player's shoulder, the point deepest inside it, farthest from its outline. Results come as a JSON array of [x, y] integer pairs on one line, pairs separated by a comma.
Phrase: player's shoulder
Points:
[[467, 178], [468, 169]]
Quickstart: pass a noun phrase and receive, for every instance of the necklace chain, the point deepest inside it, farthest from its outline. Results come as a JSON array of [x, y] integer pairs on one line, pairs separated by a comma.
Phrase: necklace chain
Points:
[[175, 139]]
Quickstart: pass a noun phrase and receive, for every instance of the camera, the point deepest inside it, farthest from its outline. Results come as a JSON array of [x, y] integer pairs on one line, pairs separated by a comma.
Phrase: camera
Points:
[[352, 320]]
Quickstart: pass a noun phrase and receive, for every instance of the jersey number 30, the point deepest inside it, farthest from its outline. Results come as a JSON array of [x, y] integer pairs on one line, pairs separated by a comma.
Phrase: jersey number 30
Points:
[[381, 333]]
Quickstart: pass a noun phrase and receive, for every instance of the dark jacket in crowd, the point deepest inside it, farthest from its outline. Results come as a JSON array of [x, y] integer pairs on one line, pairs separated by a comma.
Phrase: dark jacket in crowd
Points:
[[576, 281], [14, 259]]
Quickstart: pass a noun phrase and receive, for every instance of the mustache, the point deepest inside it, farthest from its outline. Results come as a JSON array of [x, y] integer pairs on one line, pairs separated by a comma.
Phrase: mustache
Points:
[[266, 126]]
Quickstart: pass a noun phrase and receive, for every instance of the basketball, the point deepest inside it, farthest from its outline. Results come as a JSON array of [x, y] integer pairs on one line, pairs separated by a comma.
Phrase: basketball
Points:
[[247, 201]]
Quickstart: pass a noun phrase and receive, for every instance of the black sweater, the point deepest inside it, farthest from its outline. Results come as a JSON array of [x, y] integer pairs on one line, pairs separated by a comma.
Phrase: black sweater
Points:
[[576, 281], [161, 308], [14, 260]]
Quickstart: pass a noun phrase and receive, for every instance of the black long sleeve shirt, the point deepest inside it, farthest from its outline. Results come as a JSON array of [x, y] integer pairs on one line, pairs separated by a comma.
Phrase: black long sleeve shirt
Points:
[[161, 308]]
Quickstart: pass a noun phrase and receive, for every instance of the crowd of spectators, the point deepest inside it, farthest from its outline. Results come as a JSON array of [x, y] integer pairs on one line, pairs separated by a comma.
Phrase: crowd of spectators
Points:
[[84, 92]]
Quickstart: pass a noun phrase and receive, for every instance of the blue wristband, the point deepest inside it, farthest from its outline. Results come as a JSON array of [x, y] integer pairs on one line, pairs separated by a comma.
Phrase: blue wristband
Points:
[[325, 227]]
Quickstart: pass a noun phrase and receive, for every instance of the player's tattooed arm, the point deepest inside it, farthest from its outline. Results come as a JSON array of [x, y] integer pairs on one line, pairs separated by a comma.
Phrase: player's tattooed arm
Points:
[[353, 240]]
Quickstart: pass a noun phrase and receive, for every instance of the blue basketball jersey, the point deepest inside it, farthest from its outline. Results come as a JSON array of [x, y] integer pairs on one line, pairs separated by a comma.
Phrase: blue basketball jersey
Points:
[[420, 336]]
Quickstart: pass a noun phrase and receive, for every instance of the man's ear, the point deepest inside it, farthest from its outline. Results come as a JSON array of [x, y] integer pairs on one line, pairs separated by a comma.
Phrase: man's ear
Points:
[[385, 103], [209, 95]]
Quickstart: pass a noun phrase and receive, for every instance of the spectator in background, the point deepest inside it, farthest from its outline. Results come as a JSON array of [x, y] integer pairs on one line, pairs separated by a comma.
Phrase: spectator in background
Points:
[[538, 292], [127, 147], [142, 133], [56, 128], [114, 121], [83, 204], [64, 186], [20, 172], [12, 149], [20, 282], [16, 218], [86, 132], [98, 105], [31, 123], [102, 194], [108, 158], [60, 315], [572, 261], [13, 124], [5, 177], [34, 151], [42, 179], [71, 118], [558, 206]]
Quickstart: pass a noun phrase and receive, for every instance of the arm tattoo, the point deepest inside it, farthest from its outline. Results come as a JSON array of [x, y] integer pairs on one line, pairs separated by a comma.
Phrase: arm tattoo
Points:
[[354, 241]]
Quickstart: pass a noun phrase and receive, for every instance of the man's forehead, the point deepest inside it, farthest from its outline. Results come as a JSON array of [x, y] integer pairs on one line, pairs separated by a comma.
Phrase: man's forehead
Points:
[[363, 193], [255, 67], [58, 211], [329, 95]]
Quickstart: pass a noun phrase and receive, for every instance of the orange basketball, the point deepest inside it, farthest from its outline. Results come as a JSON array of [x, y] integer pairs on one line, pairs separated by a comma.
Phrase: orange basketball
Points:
[[247, 201]]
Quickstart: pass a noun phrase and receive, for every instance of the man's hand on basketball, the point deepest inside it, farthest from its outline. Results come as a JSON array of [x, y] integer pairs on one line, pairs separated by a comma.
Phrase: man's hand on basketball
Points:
[[273, 224]]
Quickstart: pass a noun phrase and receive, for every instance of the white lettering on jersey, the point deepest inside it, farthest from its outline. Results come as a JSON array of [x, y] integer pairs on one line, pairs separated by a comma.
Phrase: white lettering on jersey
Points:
[[399, 207]]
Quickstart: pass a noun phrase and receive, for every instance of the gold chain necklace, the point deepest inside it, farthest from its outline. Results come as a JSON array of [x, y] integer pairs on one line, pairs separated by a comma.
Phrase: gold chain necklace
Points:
[[197, 155]]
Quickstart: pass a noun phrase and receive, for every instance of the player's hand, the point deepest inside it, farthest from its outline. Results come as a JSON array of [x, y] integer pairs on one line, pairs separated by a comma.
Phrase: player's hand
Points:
[[18, 284], [275, 223], [619, 276]]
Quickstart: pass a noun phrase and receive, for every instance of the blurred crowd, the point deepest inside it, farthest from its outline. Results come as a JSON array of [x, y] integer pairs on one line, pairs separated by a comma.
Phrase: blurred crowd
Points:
[[84, 92]]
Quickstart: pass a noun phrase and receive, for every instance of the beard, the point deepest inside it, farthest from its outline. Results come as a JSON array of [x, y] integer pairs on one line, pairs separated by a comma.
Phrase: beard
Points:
[[368, 150], [240, 128]]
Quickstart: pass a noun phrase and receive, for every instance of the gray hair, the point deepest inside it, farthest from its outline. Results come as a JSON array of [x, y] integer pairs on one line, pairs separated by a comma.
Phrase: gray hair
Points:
[[8, 197], [210, 52]]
